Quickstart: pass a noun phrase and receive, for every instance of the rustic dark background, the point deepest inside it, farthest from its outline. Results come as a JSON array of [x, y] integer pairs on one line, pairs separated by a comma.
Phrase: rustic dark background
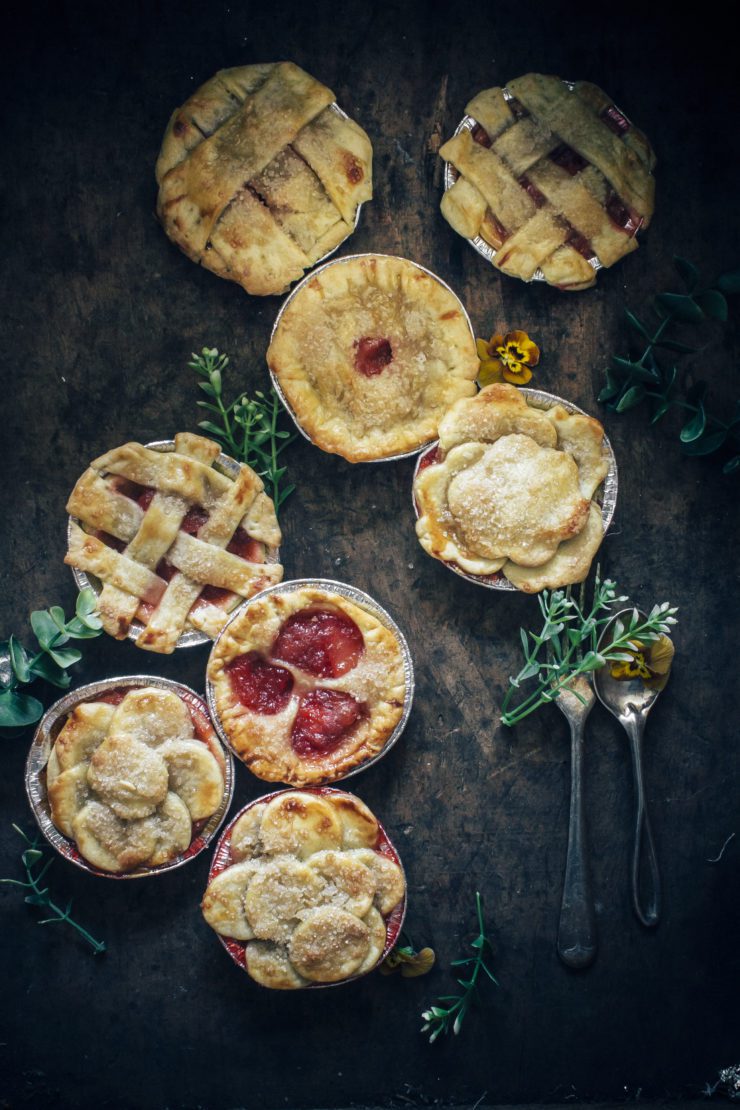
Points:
[[100, 314]]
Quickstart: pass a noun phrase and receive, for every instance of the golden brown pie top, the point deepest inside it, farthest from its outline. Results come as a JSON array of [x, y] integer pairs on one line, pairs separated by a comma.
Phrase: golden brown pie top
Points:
[[510, 488], [550, 177], [370, 352], [260, 175], [307, 685], [310, 882]]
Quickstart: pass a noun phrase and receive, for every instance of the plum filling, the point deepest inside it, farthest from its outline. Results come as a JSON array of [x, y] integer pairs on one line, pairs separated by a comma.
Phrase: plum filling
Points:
[[259, 685], [529, 187], [615, 121], [322, 643], [324, 719], [480, 135], [625, 219], [372, 355], [568, 159]]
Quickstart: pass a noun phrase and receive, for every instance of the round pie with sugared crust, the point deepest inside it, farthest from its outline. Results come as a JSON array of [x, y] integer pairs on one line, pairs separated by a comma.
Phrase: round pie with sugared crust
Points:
[[369, 354], [306, 685]]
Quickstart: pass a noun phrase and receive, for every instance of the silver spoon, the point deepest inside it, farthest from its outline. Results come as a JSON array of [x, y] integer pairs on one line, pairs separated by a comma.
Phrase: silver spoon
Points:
[[630, 701]]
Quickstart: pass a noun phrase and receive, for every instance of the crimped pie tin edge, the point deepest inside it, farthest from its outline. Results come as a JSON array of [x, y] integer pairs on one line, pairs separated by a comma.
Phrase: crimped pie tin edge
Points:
[[364, 601], [38, 756]]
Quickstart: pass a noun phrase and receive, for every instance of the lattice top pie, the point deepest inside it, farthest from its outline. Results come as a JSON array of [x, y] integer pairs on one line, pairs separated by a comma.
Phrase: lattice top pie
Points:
[[510, 488], [310, 884], [307, 685], [260, 176], [550, 178], [175, 542], [369, 353]]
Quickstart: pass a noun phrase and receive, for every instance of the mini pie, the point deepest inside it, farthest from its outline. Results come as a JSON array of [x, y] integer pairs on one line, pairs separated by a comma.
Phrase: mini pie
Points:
[[307, 685], [510, 488], [309, 886], [176, 543], [550, 178], [369, 354], [131, 777], [260, 175]]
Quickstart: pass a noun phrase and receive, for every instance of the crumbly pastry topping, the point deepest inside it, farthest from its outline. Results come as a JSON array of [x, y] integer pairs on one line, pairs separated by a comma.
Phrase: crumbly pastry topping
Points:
[[127, 782], [369, 353], [307, 685], [511, 489], [312, 897], [550, 177], [260, 175], [175, 543]]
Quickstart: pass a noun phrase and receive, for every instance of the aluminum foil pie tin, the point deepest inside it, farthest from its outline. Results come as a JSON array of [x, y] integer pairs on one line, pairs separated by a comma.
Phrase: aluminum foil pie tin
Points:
[[364, 601], [191, 637], [38, 756], [222, 859], [605, 496], [341, 262]]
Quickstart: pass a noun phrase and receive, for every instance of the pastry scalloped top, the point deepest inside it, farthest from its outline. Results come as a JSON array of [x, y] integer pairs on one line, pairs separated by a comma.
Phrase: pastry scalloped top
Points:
[[128, 777], [550, 177], [307, 891], [511, 489], [176, 543], [260, 175], [369, 354], [307, 685]]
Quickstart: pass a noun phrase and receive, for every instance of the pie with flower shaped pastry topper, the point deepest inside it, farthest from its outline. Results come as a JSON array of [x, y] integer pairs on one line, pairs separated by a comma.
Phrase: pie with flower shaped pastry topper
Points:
[[552, 177], [175, 542], [307, 685], [369, 353], [510, 488]]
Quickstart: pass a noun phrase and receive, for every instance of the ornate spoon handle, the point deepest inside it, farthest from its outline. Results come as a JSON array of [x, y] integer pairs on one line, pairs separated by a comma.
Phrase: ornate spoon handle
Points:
[[577, 944], [645, 873]]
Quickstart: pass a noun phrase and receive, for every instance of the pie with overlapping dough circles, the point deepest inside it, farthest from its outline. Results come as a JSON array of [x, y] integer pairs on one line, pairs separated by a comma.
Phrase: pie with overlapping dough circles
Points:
[[260, 175], [293, 904], [127, 794], [308, 685], [552, 176], [369, 353], [512, 488]]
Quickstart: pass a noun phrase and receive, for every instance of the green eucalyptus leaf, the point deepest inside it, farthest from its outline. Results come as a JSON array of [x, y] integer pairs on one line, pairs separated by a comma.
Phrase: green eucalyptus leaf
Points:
[[207, 388], [45, 667], [705, 444], [19, 660], [86, 607], [713, 304], [731, 466], [695, 427], [57, 615], [729, 282], [637, 324], [675, 345], [610, 390], [43, 626], [689, 273], [625, 366], [632, 397], [660, 411], [17, 710], [682, 307], [65, 657]]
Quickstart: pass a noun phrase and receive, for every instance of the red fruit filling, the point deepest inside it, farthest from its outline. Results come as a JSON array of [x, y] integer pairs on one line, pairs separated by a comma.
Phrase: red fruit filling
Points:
[[614, 120], [372, 355], [568, 159], [324, 720], [324, 644], [530, 187], [259, 685], [480, 135]]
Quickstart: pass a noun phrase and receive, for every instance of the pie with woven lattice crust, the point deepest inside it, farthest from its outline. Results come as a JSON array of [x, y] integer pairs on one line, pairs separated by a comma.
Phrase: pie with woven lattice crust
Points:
[[551, 177], [132, 777], [260, 175], [175, 540], [369, 353], [310, 896], [307, 685], [511, 488]]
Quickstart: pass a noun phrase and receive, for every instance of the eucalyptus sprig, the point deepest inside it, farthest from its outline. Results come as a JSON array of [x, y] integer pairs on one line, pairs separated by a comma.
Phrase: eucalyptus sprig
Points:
[[249, 428], [50, 662], [39, 895], [567, 643], [646, 377], [449, 1012]]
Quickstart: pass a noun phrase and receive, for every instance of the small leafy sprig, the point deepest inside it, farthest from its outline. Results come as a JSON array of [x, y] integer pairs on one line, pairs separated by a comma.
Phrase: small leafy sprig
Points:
[[635, 379], [442, 1018], [249, 426], [572, 635], [39, 895], [53, 631]]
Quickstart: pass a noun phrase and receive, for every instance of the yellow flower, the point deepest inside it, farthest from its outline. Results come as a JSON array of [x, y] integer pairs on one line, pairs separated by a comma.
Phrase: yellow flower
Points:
[[651, 663], [411, 963], [507, 358]]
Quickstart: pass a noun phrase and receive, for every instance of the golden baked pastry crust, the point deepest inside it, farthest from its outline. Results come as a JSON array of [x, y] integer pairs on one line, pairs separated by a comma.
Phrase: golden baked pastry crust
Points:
[[395, 405], [259, 176], [262, 741]]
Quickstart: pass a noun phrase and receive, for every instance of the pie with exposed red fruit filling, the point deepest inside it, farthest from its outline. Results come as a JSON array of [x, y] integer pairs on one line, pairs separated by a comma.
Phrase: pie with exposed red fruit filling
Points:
[[307, 685], [175, 541], [554, 177], [369, 353]]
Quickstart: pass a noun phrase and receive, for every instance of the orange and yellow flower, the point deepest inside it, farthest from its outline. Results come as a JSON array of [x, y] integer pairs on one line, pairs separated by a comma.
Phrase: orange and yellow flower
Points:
[[652, 663], [507, 358]]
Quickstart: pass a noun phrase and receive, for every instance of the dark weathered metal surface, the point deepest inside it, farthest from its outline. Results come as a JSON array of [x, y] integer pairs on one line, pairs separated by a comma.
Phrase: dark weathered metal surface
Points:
[[100, 314]]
